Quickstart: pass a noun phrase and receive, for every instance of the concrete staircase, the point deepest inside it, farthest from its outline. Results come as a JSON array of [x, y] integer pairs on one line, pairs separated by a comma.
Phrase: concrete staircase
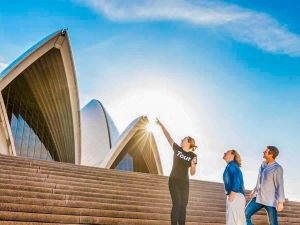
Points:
[[40, 192]]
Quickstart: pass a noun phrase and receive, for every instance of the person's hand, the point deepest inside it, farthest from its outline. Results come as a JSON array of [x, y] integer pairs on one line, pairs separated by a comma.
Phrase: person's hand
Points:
[[194, 161], [279, 206], [231, 196], [158, 122], [251, 194]]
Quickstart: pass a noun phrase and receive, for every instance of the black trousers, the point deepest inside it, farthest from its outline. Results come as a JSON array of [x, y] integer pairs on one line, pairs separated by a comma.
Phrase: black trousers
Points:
[[179, 190]]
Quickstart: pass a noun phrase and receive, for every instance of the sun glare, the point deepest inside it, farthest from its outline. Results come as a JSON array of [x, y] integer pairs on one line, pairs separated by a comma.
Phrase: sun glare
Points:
[[150, 127]]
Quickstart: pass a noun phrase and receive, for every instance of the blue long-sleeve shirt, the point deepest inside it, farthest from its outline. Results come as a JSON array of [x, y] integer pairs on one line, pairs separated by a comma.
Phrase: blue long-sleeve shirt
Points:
[[233, 179], [269, 187]]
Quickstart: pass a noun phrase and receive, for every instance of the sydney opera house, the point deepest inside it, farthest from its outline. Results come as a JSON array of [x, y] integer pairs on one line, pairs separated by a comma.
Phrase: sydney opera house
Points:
[[41, 116]]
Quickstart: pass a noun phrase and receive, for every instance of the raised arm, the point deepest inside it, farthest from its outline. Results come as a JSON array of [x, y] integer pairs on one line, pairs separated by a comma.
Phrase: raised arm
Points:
[[166, 133]]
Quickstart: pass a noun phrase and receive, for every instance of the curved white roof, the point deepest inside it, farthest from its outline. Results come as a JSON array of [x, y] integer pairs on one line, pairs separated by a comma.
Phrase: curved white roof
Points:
[[145, 140], [98, 133], [48, 68]]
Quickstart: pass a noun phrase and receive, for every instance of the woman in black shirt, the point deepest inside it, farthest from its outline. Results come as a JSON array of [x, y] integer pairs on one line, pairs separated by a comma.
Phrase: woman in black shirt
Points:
[[179, 178]]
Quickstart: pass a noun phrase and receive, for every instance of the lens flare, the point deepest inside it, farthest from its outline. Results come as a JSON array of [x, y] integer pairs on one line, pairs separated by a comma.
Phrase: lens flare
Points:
[[150, 127]]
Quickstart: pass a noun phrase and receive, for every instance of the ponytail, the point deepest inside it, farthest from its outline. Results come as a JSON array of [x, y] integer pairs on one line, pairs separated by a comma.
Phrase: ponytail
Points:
[[193, 146], [237, 157]]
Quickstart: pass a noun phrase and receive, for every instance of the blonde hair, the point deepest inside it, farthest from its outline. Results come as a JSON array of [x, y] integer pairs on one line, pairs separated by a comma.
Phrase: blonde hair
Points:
[[193, 146], [237, 157]]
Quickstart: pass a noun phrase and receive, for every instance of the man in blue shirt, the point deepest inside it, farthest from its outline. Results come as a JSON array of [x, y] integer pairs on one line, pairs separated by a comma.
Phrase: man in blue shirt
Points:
[[269, 190], [234, 189]]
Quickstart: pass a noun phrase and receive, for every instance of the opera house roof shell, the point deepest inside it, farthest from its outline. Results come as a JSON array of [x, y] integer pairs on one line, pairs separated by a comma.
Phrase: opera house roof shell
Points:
[[41, 87]]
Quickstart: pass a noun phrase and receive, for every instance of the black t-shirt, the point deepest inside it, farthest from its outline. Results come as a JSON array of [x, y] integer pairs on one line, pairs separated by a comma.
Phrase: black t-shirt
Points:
[[182, 160]]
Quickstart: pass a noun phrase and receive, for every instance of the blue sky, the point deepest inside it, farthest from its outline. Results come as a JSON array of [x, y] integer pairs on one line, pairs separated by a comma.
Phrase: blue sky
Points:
[[224, 72]]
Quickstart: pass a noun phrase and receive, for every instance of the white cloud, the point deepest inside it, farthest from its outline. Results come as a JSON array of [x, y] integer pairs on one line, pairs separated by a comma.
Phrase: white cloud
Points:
[[292, 189], [2, 66], [244, 25]]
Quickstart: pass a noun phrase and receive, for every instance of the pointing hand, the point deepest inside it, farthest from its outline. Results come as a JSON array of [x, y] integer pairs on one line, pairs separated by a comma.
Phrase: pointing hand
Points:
[[158, 122]]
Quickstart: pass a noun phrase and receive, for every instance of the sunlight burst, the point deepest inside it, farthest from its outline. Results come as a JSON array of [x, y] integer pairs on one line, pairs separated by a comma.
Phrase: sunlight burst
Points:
[[151, 127]]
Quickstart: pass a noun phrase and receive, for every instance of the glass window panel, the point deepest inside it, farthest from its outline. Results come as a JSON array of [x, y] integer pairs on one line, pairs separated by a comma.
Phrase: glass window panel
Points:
[[43, 155], [20, 121], [126, 163], [49, 157], [18, 151], [30, 152], [27, 123], [24, 145], [18, 138], [26, 129], [37, 148], [31, 139], [23, 153], [14, 123], [43, 152]]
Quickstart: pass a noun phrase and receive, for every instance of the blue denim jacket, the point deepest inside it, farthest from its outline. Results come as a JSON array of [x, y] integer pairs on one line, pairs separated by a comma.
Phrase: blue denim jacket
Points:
[[233, 179]]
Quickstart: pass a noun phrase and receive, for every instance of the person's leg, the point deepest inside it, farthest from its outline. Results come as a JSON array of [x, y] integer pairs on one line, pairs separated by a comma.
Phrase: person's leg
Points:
[[230, 215], [184, 193], [235, 214], [243, 218], [176, 199], [241, 209], [272, 215], [251, 209]]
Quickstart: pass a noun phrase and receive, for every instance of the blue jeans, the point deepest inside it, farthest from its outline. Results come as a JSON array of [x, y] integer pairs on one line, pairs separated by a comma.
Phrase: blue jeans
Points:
[[253, 207]]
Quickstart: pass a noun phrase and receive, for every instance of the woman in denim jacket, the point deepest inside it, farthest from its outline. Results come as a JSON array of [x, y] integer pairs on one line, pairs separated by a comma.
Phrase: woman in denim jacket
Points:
[[234, 189]]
